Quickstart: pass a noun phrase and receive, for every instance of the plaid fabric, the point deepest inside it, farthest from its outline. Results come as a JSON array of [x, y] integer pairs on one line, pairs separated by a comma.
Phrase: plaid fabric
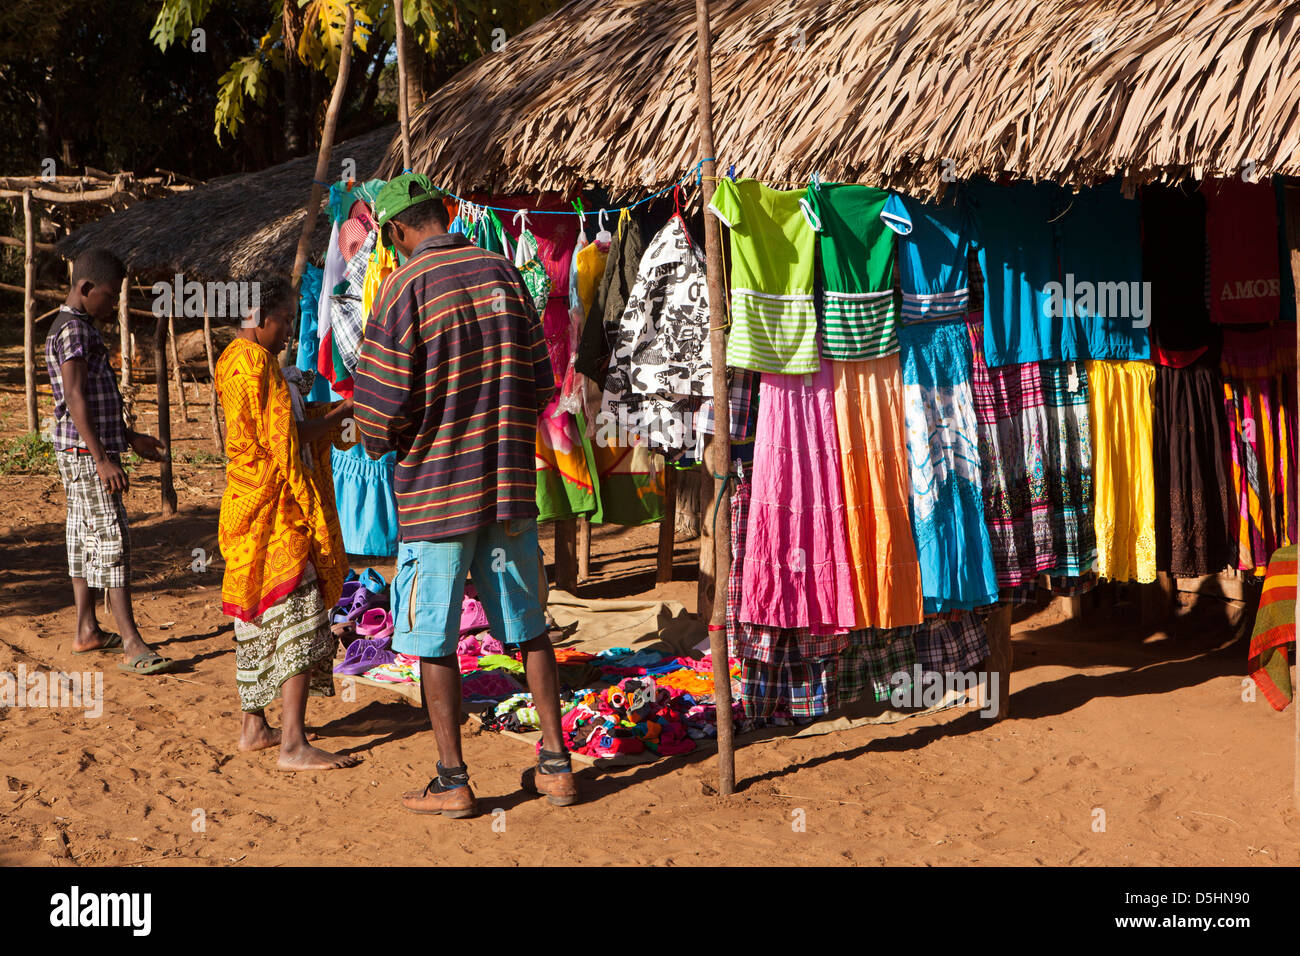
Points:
[[1074, 533], [1071, 586], [346, 318], [74, 335], [743, 399], [790, 683], [872, 658], [99, 545], [1275, 630], [1024, 594], [950, 646]]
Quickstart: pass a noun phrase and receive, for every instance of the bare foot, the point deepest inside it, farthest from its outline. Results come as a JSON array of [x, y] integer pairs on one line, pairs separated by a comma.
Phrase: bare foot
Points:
[[258, 736], [312, 758], [94, 640]]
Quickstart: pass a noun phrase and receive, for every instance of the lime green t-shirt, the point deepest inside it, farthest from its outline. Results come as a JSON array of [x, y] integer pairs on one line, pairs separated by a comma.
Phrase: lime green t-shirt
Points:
[[773, 254]]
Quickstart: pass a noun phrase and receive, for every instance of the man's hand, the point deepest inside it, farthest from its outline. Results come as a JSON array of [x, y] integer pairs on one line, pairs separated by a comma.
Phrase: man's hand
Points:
[[113, 477], [146, 446]]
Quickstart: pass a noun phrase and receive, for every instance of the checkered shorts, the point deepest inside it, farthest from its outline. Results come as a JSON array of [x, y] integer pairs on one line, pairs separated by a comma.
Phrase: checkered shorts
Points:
[[99, 545], [951, 646], [805, 687], [872, 659]]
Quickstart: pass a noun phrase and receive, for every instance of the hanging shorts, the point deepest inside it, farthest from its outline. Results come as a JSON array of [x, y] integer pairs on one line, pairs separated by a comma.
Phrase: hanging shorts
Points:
[[99, 545], [504, 562]]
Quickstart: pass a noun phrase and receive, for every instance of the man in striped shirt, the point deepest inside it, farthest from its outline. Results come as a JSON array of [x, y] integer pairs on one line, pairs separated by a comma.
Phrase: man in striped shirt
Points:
[[452, 373]]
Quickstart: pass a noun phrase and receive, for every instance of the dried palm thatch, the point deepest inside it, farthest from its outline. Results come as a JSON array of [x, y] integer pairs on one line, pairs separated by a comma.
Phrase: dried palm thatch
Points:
[[229, 228], [910, 94]]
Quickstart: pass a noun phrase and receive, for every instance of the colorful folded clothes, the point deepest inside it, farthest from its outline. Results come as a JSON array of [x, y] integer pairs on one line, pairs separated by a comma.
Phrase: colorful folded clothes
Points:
[[488, 685], [403, 669]]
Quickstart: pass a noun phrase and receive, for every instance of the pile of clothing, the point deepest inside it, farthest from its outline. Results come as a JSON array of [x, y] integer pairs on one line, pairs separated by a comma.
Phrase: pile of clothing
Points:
[[658, 704]]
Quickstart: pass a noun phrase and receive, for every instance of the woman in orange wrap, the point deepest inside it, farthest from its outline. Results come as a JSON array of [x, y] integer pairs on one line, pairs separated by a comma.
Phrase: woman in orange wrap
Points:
[[279, 533]]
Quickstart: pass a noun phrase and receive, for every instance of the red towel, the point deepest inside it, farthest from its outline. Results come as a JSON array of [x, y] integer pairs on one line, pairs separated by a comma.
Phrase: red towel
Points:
[[1245, 272]]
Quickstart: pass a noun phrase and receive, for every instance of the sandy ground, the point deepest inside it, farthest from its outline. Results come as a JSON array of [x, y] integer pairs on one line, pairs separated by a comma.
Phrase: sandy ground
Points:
[[1124, 746]]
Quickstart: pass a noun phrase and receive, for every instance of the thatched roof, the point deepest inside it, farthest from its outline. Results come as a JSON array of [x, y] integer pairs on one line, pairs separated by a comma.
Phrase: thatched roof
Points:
[[230, 227], [892, 92]]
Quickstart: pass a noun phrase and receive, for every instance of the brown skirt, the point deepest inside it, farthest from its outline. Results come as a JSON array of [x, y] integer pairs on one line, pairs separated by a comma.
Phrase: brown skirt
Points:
[[1195, 526]]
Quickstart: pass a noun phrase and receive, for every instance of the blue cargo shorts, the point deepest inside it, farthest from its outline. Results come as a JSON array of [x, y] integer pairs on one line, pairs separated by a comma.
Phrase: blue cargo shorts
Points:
[[504, 563]]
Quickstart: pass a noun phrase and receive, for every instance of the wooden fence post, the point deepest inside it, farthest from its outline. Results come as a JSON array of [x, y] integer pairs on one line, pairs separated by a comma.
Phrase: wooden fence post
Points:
[[29, 312]]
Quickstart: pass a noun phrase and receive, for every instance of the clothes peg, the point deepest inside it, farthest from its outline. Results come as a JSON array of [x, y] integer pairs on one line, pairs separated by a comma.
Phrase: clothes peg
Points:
[[731, 172]]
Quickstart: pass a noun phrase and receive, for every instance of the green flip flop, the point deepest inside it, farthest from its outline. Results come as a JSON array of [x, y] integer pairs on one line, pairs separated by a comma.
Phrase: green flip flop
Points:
[[150, 662], [113, 643]]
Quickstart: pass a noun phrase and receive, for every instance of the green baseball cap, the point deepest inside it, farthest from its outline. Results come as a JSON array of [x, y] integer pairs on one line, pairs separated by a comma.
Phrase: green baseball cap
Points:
[[401, 193]]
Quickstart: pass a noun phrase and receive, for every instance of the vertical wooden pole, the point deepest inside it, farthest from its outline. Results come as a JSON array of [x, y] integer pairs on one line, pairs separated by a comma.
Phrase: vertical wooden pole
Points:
[[403, 104], [218, 433], [1291, 195], [999, 662], [124, 330], [566, 555], [721, 444], [164, 414], [29, 311], [176, 360], [667, 527], [322, 163], [704, 589], [584, 549]]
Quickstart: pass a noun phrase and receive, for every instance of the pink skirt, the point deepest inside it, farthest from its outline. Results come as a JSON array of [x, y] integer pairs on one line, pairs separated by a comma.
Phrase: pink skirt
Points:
[[797, 570]]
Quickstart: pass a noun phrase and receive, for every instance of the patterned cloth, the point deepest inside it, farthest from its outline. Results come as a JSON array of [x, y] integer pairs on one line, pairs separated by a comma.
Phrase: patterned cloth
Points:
[[347, 311], [742, 397], [1259, 388], [1036, 464], [99, 543], [288, 638], [661, 348], [869, 665], [805, 687], [952, 539], [1275, 629], [452, 374], [74, 335], [276, 516], [947, 647]]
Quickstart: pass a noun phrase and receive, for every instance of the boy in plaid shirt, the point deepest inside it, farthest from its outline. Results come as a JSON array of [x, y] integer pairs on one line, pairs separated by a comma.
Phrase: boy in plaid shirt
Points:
[[89, 440]]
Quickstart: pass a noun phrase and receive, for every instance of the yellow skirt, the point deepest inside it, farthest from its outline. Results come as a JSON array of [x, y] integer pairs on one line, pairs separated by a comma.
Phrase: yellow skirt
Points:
[[877, 492], [1123, 473]]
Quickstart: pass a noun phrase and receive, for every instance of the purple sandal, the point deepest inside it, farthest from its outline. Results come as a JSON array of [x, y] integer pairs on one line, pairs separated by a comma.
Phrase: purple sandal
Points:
[[365, 653]]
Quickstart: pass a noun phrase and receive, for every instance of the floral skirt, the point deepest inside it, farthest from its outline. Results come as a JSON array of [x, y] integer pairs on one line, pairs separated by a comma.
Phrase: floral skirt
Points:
[[291, 637]]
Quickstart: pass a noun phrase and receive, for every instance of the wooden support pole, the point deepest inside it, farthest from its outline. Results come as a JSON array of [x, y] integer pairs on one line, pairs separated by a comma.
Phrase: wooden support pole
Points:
[[1000, 658], [29, 312], [704, 588], [1291, 195], [176, 360], [164, 414], [721, 444], [584, 549], [667, 527], [403, 100], [566, 555], [218, 433], [124, 330]]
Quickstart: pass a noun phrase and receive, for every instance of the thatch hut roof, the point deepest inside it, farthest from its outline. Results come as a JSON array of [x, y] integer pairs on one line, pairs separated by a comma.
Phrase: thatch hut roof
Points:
[[893, 92], [230, 227]]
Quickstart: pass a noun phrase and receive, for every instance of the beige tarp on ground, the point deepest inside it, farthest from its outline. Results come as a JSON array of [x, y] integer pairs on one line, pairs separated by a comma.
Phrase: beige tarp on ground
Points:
[[665, 626]]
